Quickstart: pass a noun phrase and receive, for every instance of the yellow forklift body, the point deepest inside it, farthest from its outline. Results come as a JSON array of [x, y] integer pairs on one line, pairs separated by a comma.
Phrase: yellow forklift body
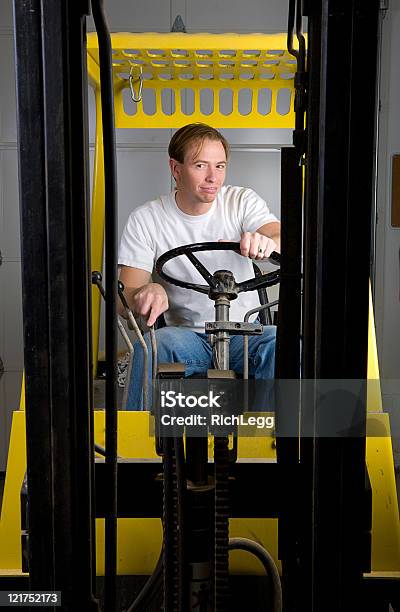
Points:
[[139, 540]]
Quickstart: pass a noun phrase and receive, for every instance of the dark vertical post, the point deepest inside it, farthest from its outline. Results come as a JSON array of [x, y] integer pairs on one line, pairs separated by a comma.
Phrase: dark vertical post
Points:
[[336, 270], [111, 224], [287, 364], [53, 181]]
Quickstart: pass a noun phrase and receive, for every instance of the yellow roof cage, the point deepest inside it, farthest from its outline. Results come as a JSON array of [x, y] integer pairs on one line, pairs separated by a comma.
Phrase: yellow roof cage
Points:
[[227, 80]]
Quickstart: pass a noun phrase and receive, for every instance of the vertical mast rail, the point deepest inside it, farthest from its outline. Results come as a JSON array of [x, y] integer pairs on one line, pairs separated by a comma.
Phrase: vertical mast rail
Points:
[[107, 97], [53, 169]]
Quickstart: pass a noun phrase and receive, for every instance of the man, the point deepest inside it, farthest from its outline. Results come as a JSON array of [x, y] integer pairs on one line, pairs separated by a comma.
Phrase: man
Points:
[[200, 209]]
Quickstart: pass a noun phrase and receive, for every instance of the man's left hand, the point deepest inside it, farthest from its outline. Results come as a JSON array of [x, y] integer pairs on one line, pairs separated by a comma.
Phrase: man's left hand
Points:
[[256, 246]]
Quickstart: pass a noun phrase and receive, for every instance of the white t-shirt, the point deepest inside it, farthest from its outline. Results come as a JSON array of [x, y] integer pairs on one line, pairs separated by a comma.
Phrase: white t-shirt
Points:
[[160, 225]]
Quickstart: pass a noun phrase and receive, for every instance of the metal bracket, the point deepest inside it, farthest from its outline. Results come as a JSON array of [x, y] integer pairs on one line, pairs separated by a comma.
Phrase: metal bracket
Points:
[[178, 25], [234, 328], [221, 374], [136, 97], [171, 370]]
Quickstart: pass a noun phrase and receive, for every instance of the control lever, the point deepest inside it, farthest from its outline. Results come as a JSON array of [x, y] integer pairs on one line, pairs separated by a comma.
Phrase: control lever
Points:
[[97, 280], [246, 337], [134, 326]]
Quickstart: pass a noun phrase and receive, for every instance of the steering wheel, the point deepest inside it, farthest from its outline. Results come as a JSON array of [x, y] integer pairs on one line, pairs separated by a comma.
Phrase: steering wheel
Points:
[[266, 280]]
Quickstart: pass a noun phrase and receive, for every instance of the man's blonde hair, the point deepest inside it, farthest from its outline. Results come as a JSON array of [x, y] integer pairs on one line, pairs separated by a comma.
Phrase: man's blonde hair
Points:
[[193, 132]]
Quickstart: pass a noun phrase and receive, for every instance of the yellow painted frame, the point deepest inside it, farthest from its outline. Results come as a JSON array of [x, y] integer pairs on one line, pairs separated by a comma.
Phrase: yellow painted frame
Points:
[[135, 440], [176, 62]]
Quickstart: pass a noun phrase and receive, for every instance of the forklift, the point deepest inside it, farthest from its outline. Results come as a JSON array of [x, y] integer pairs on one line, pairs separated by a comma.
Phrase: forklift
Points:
[[316, 501]]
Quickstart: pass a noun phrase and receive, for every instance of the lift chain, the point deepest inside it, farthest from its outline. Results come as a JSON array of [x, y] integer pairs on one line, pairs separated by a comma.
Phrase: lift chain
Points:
[[221, 462], [173, 501]]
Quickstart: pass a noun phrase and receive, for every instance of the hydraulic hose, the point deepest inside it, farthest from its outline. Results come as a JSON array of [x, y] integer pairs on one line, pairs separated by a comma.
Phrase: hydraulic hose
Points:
[[291, 18], [107, 105], [269, 564], [300, 80], [100, 450], [150, 589], [172, 554]]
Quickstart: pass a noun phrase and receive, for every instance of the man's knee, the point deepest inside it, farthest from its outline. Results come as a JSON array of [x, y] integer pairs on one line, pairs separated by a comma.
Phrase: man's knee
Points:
[[167, 334], [168, 338], [268, 340], [269, 333], [164, 336], [265, 353]]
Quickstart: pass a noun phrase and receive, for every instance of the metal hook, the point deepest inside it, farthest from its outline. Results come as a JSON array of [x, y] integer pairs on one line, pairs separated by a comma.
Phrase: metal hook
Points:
[[135, 98]]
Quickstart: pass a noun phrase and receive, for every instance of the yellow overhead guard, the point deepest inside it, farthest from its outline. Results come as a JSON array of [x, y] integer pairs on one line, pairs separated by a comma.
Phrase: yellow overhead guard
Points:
[[227, 80]]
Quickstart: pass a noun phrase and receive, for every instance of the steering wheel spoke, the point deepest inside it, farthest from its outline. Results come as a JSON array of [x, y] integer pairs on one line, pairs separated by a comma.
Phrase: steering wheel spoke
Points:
[[265, 280], [200, 268]]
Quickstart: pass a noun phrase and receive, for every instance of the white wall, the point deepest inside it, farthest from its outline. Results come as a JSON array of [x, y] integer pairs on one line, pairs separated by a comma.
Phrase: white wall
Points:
[[11, 351], [387, 274]]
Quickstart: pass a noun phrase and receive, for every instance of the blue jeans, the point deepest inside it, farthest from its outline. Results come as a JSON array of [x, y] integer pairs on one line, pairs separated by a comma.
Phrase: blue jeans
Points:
[[176, 344]]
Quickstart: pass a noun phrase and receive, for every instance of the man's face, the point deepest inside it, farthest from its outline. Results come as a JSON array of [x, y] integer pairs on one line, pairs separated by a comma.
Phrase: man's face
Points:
[[202, 173]]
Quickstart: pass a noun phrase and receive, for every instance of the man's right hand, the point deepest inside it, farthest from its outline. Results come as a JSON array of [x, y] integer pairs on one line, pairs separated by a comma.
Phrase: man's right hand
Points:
[[150, 300]]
